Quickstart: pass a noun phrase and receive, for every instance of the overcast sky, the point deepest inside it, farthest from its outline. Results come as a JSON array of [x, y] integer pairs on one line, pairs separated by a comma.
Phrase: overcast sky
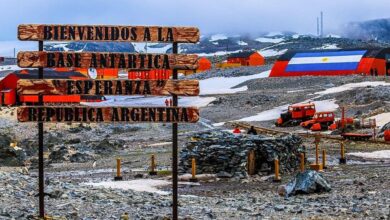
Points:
[[211, 16]]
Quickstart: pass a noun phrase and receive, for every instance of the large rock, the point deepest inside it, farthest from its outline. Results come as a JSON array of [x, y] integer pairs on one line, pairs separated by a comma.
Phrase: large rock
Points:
[[10, 156], [107, 146], [307, 182], [220, 153], [69, 153]]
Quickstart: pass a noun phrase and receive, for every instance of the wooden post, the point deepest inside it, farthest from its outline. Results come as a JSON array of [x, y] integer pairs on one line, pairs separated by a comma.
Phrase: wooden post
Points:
[[193, 170], [152, 171], [317, 159], [342, 159], [316, 166], [324, 159], [174, 148], [277, 177], [251, 163], [41, 175], [118, 170], [302, 165]]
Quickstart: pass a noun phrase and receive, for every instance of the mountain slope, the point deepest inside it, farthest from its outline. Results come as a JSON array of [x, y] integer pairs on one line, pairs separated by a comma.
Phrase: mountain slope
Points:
[[378, 29]]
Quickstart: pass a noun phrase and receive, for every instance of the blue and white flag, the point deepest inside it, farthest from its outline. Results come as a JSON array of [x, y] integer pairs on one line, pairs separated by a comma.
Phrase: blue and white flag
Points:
[[325, 61]]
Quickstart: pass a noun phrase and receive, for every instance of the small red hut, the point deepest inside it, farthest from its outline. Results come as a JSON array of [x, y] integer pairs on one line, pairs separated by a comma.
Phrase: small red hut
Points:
[[246, 58]]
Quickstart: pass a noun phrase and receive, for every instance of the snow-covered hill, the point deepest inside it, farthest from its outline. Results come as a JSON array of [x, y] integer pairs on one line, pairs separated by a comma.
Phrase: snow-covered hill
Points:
[[268, 44]]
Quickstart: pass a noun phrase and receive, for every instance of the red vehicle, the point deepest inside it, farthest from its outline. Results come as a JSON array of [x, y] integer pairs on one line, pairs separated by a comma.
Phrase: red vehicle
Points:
[[320, 121], [296, 114]]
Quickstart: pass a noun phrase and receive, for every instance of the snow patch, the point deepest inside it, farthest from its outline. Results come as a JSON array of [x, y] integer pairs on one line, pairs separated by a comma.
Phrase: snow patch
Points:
[[296, 36], [351, 86], [217, 37], [328, 46], [223, 85], [242, 43], [294, 91], [219, 124], [151, 47], [382, 154], [218, 53], [9, 67], [269, 40], [271, 52], [139, 185], [381, 119]]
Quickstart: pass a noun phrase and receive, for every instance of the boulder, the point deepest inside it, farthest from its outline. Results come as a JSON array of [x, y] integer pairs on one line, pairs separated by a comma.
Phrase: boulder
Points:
[[307, 182], [10, 156]]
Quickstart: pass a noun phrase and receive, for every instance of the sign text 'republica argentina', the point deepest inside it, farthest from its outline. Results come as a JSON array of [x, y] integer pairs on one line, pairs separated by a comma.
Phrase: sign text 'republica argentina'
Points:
[[137, 61], [109, 114], [108, 87], [53, 32]]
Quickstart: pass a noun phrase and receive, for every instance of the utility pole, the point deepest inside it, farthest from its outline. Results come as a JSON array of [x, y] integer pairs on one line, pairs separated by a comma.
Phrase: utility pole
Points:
[[318, 26], [322, 24]]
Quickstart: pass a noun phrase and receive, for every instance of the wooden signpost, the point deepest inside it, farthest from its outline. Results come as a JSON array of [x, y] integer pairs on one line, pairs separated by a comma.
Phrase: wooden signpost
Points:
[[54, 32], [108, 87], [130, 61], [133, 61], [108, 114]]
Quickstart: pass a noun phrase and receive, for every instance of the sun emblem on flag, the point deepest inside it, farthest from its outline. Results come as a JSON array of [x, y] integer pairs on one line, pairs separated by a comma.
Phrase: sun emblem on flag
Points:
[[325, 59]]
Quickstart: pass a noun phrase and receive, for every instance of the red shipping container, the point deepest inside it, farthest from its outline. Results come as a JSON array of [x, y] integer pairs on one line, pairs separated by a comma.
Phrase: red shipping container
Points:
[[8, 97]]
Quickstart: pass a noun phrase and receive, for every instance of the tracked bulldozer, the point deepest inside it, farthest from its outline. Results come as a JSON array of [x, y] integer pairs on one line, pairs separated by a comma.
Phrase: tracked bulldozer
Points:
[[296, 114]]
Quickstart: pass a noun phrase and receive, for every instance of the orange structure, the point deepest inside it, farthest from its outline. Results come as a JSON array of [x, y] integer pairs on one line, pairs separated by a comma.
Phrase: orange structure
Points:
[[8, 86], [204, 64], [107, 73], [246, 58], [150, 74]]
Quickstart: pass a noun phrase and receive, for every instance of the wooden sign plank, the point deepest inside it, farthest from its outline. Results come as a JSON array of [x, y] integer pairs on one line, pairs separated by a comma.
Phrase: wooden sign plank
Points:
[[108, 114], [133, 61], [107, 87], [56, 32]]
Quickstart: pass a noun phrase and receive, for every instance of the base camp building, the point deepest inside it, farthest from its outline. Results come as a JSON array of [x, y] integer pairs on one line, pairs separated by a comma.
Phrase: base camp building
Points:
[[333, 62]]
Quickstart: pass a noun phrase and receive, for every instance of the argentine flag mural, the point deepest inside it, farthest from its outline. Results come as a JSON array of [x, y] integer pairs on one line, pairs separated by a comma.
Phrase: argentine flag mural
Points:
[[325, 61]]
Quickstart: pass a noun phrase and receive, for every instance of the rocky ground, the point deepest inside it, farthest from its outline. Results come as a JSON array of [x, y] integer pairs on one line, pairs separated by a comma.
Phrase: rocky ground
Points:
[[79, 154]]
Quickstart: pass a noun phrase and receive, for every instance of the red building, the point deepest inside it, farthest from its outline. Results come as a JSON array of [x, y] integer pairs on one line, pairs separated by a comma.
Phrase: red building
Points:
[[204, 64], [8, 86], [333, 62], [247, 58]]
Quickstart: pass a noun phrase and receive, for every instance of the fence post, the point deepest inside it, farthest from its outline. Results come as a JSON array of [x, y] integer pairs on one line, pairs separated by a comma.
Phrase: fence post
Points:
[[118, 170], [302, 165], [342, 159], [277, 177], [152, 171], [193, 171]]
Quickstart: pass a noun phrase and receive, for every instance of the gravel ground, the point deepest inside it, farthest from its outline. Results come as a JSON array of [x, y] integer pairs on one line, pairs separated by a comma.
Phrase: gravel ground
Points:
[[360, 189]]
